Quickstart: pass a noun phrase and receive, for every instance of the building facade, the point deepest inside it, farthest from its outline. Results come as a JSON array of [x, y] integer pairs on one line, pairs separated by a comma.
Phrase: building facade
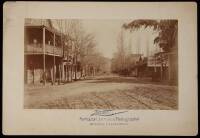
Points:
[[43, 52]]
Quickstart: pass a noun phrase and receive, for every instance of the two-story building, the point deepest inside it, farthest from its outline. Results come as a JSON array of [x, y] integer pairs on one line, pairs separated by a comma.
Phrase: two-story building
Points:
[[43, 52]]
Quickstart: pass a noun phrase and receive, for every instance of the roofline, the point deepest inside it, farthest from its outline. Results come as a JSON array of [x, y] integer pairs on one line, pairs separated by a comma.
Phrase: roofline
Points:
[[41, 26]]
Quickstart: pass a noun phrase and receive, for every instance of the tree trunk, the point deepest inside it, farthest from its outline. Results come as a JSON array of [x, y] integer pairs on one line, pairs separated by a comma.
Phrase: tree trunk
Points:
[[71, 72], [75, 72], [67, 73], [86, 71], [81, 72]]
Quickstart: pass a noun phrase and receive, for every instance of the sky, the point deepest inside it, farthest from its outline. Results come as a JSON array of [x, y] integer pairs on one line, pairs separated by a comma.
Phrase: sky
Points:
[[107, 31]]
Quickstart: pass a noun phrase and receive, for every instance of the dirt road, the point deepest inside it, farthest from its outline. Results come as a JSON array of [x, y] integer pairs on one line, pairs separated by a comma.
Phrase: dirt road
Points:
[[104, 92]]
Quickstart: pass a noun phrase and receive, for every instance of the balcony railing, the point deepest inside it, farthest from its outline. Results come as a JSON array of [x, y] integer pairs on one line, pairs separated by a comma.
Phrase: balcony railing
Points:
[[38, 49]]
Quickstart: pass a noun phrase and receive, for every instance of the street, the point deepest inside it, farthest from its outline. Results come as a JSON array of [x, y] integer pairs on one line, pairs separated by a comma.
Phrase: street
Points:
[[103, 92]]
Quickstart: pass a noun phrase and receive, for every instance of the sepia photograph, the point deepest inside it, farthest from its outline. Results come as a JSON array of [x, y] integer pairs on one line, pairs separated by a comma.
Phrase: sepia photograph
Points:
[[68, 64], [100, 68]]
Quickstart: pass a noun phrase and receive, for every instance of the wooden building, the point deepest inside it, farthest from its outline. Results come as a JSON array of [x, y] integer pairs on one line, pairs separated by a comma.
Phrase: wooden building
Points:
[[43, 52]]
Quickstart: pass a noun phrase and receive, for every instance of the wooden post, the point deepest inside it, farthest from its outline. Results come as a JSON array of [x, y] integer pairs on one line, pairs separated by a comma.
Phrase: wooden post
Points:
[[51, 71], [86, 70], [169, 68], [71, 72], [161, 72], [61, 64], [69, 68], [54, 44], [60, 72], [161, 68], [33, 75], [44, 71], [63, 71], [25, 70], [67, 73], [155, 64], [75, 71], [65, 67]]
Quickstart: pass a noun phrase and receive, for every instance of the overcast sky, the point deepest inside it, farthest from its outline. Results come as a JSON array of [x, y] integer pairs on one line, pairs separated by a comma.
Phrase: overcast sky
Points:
[[106, 33]]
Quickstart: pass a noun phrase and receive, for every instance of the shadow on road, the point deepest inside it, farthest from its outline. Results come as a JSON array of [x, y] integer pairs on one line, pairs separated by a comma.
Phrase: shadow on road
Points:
[[129, 80]]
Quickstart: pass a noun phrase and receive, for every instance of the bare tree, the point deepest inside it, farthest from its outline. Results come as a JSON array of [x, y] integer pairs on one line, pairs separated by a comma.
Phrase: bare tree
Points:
[[80, 47]]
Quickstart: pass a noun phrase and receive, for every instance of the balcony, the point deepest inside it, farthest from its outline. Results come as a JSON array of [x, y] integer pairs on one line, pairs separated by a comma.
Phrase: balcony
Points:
[[38, 49]]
